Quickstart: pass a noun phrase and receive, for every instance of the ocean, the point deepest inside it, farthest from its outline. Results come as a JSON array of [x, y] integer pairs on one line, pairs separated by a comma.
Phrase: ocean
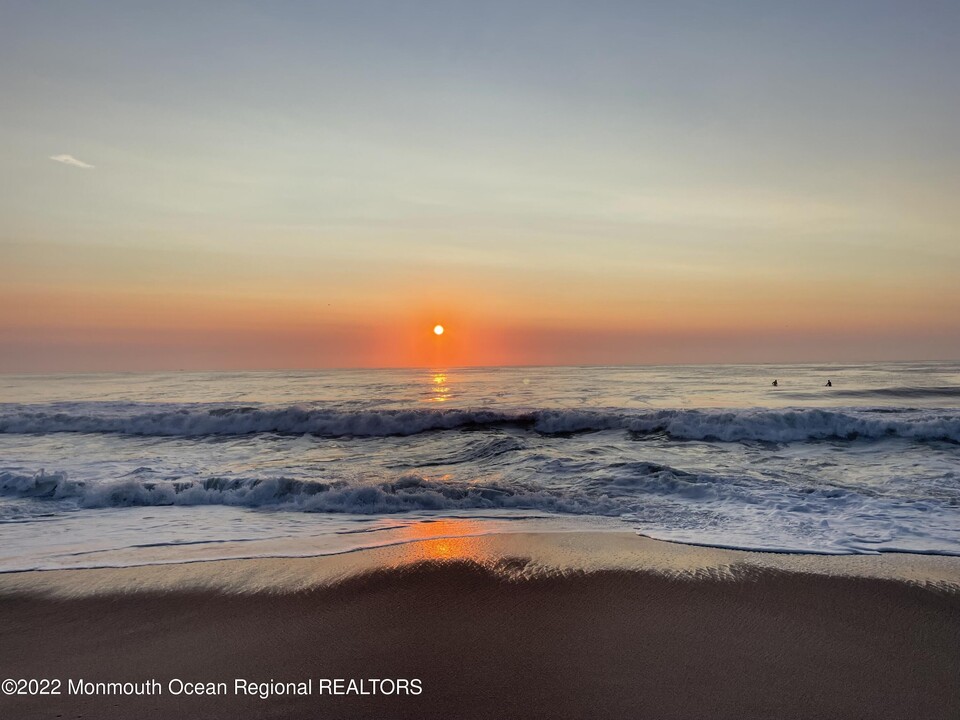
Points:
[[108, 470]]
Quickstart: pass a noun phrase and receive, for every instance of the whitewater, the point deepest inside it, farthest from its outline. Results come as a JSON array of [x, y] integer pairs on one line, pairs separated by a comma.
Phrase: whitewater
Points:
[[125, 469]]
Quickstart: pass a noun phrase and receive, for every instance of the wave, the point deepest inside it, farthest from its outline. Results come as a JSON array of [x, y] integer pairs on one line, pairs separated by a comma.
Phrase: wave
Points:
[[757, 424], [731, 510], [900, 393], [407, 493], [658, 500], [949, 391], [620, 488]]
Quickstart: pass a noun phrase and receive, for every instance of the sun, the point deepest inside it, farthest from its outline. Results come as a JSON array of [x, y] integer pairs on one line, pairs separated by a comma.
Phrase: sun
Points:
[[438, 329]]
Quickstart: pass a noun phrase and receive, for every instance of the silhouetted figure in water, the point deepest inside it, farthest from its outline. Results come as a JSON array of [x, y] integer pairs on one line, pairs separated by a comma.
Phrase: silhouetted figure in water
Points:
[[829, 384], [775, 383]]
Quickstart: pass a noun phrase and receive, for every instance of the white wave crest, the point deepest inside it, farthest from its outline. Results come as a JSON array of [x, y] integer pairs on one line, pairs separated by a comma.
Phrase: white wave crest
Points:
[[658, 500], [409, 492], [772, 425]]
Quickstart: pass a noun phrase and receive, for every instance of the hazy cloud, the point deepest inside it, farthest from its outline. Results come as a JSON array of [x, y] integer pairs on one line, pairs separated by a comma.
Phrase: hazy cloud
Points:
[[70, 160]]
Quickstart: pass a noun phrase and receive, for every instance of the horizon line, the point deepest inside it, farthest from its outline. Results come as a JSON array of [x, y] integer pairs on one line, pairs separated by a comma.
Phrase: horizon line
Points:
[[449, 368]]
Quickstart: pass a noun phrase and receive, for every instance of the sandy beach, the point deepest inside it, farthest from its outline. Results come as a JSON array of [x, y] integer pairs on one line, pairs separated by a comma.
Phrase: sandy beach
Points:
[[554, 626]]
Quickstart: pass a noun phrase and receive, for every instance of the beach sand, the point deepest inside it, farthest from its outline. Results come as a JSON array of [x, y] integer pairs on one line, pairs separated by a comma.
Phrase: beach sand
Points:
[[566, 625]]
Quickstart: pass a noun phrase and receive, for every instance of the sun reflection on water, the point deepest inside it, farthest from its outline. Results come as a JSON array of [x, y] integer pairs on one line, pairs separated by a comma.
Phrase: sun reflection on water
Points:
[[439, 387]]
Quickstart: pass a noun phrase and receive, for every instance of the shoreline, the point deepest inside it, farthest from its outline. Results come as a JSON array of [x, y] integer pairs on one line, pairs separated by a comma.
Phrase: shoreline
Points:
[[564, 625], [515, 555]]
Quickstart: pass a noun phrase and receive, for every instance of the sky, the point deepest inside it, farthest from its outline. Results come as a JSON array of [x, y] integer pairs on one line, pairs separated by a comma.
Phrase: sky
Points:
[[207, 185]]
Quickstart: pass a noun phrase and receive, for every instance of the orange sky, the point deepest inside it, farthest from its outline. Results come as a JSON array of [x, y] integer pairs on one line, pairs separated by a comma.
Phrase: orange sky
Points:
[[100, 328], [298, 187]]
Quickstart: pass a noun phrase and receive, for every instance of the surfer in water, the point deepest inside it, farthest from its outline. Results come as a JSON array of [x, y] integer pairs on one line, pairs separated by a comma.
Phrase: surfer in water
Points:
[[829, 384], [775, 383]]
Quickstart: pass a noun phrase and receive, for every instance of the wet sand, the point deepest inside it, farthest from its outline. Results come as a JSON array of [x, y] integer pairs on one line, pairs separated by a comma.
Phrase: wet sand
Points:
[[562, 626]]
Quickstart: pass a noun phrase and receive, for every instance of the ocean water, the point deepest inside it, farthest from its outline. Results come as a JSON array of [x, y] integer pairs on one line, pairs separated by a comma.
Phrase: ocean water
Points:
[[122, 469]]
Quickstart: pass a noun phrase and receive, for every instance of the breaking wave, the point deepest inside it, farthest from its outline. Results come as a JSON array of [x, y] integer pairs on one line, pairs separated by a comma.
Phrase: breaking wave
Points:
[[407, 493], [772, 425], [660, 500]]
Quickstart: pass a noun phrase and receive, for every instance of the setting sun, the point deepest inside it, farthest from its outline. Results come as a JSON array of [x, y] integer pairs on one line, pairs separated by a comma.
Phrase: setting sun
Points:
[[438, 329]]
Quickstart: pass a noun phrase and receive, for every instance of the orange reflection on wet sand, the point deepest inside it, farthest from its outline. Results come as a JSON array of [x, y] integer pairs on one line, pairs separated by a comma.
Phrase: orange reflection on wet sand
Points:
[[448, 539]]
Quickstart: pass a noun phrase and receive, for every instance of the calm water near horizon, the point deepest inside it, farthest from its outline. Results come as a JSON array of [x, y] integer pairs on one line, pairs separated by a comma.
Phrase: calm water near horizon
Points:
[[118, 469]]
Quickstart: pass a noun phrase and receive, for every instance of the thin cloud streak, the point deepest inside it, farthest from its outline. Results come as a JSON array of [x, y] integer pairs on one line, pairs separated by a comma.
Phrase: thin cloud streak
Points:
[[71, 160]]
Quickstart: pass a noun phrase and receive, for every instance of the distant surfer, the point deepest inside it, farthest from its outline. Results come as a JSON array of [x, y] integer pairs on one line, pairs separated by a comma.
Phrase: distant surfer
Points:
[[775, 383], [829, 384]]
